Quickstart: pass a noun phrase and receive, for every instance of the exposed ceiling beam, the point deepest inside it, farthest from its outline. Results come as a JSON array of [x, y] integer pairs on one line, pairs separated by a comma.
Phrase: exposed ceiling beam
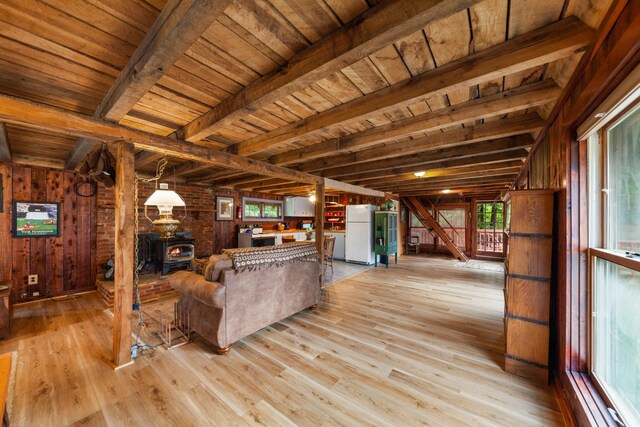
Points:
[[461, 182], [446, 172], [520, 98], [421, 159], [43, 117], [444, 164], [508, 101], [415, 181], [470, 191], [350, 188], [502, 128], [5, 148], [189, 168], [491, 130], [374, 29], [541, 46], [179, 25], [145, 158]]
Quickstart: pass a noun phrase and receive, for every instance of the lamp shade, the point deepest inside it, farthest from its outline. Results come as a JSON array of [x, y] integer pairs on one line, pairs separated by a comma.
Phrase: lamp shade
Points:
[[164, 197]]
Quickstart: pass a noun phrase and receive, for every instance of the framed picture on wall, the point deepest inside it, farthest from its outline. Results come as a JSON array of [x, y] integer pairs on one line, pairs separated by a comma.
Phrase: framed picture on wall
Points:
[[224, 208], [36, 219]]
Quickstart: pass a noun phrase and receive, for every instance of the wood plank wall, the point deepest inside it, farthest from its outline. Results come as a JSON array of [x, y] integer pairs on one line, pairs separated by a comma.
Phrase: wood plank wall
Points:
[[555, 164], [64, 264]]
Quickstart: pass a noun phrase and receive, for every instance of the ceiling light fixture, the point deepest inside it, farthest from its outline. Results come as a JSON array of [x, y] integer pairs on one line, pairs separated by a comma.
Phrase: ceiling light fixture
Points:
[[419, 174], [447, 191]]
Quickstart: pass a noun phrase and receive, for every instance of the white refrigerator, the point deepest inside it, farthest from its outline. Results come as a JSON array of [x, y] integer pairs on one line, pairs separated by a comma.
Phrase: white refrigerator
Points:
[[359, 234]]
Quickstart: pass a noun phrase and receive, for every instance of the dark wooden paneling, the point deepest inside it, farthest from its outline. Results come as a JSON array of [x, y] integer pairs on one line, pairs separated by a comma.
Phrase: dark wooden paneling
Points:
[[55, 180], [21, 252], [63, 264]]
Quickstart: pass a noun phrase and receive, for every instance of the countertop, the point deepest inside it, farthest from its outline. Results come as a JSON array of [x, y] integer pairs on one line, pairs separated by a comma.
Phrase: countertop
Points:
[[300, 231]]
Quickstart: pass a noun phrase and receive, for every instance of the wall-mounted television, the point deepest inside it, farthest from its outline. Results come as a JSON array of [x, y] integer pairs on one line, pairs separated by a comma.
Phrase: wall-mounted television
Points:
[[36, 219]]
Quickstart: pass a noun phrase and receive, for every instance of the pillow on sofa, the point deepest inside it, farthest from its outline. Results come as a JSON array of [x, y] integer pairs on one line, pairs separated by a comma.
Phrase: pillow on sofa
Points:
[[199, 265], [217, 263]]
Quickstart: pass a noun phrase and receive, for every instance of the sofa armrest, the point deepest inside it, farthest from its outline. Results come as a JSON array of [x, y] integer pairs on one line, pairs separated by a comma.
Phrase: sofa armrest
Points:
[[196, 286]]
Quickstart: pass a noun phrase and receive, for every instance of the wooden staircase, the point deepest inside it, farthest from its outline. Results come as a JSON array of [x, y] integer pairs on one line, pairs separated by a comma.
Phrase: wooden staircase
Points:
[[429, 222]]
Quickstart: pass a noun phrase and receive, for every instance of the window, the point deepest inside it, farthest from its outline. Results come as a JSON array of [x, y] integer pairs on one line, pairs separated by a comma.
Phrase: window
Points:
[[262, 209], [454, 223], [614, 241], [490, 227]]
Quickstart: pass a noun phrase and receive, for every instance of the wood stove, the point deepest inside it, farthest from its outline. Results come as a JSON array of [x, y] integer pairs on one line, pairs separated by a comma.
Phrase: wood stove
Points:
[[175, 252]]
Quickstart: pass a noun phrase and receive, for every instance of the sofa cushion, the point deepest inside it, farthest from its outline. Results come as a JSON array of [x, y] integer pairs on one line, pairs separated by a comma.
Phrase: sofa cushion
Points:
[[196, 286], [199, 265], [217, 263]]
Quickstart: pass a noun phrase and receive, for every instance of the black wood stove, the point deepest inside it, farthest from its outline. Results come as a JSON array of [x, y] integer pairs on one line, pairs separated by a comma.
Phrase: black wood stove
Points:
[[171, 253]]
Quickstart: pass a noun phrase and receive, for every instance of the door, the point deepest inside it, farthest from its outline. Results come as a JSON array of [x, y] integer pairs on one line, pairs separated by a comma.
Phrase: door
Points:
[[490, 236]]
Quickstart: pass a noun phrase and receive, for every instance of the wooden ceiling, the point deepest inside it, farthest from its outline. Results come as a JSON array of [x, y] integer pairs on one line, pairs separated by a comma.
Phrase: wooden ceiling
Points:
[[364, 92]]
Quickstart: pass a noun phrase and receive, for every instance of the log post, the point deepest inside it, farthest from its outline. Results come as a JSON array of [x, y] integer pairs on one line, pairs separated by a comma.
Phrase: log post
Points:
[[124, 241], [319, 211]]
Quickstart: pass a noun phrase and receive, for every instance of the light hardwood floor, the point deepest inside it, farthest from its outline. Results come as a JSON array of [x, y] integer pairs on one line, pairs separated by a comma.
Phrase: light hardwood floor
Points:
[[418, 343]]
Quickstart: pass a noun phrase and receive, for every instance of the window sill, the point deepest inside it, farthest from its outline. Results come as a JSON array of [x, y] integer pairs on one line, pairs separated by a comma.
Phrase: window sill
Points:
[[582, 396]]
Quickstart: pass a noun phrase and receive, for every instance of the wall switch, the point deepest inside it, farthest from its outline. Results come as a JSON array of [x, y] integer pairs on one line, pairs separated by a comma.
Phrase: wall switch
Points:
[[32, 279], [36, 294]]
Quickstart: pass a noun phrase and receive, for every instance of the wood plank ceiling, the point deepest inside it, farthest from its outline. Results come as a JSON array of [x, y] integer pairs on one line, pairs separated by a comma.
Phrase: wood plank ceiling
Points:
[[458, 89]]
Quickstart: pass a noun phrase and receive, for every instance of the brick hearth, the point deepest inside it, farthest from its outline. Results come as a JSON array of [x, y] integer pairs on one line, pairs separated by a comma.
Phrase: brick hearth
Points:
[[151, 288]]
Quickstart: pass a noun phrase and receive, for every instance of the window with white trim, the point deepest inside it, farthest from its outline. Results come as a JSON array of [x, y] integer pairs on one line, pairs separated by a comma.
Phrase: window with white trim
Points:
[[614, 248]]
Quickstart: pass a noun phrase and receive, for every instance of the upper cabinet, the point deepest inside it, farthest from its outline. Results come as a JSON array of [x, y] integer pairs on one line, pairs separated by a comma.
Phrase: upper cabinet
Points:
[[298, 206]]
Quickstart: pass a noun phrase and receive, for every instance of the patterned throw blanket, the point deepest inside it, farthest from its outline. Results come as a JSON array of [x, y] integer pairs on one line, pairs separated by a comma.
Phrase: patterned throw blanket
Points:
[[265, 257]]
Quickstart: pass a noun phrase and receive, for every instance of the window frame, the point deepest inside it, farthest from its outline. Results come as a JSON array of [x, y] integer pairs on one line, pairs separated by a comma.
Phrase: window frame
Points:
[[602, 239], [261, 203], [476, 229]]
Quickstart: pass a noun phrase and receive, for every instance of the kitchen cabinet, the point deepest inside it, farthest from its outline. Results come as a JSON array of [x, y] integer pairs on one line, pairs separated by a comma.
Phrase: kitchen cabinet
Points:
[[298, 207], [386, 235]]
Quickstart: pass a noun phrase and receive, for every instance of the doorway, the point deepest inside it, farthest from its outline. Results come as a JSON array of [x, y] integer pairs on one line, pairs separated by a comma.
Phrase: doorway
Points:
[[490, 236]]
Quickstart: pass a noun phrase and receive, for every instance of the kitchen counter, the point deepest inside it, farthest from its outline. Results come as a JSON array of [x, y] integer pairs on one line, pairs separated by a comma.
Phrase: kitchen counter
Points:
[[291, 231]]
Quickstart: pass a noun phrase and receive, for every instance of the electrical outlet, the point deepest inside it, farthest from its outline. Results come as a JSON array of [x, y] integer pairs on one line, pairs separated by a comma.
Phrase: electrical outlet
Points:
[[32, 279], [36, 294]]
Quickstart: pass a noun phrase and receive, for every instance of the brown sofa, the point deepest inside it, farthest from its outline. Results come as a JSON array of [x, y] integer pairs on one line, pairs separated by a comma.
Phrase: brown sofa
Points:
[[238, 296]]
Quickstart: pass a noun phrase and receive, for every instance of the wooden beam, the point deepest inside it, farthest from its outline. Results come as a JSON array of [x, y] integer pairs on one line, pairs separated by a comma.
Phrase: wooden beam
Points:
[[319, 226], [520, 98], [145, 158], [462, 182], [432, 173], [188, 168], [179, 25], [39, 116], [5, 148], [444, 164], [364, 35], [388, 183], [416, 160], [123, 258], [350, 188], [492, 190], [509, 126], [541, 46]]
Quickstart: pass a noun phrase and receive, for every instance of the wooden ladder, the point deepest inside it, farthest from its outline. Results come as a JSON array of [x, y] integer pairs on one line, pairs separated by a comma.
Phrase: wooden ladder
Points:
[[429, 222]]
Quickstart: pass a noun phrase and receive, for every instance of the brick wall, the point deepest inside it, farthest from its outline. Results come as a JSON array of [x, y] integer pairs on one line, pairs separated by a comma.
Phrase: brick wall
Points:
[[199, 220]]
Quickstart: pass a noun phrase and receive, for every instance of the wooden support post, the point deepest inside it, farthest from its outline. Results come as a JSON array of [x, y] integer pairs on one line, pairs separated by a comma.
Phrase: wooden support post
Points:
[[124, 241], [320, 228]]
